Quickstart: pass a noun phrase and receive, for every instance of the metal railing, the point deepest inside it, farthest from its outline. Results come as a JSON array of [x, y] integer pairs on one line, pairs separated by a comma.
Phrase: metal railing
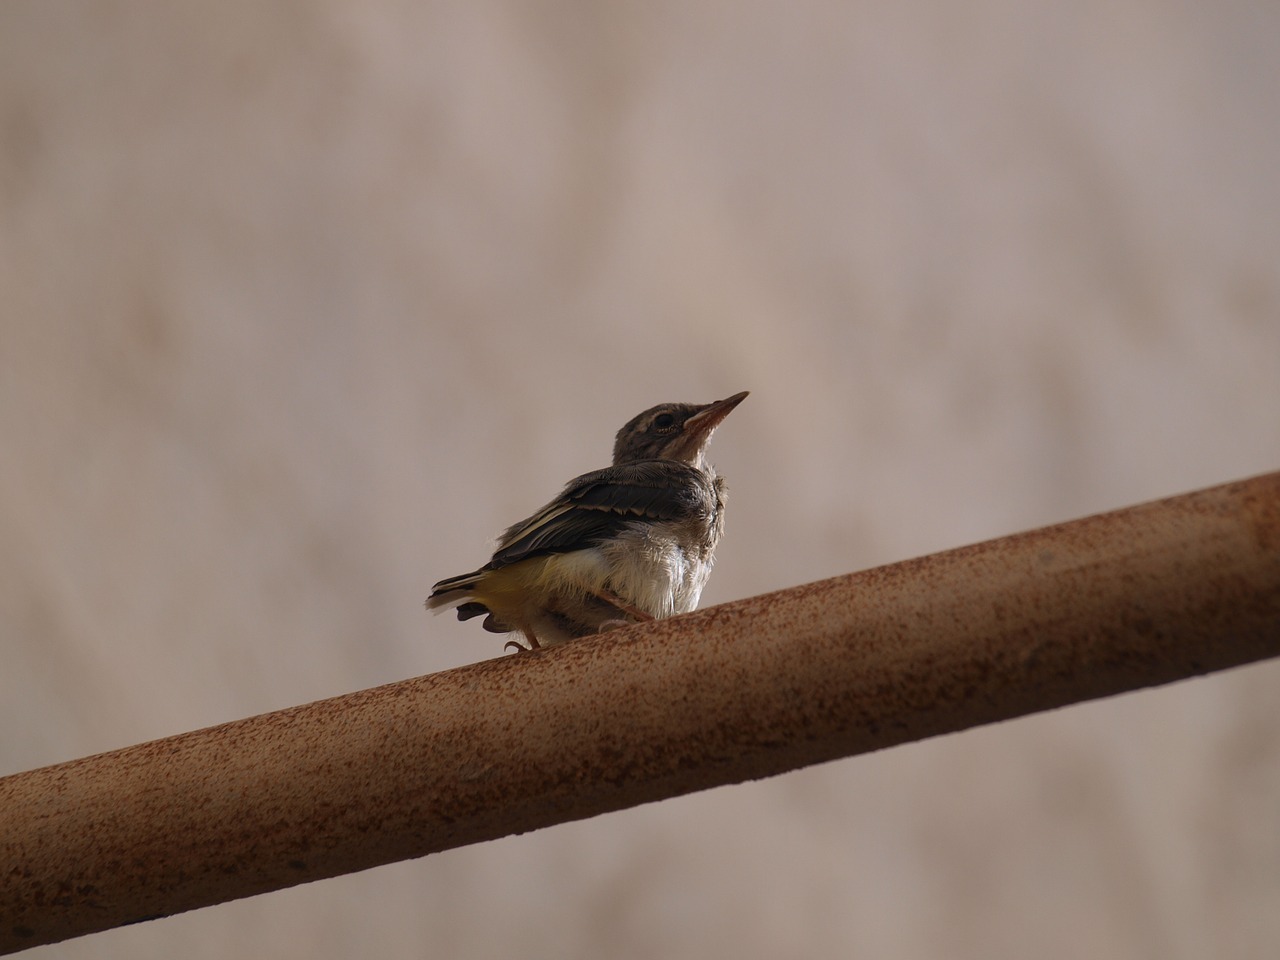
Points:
[[1086, 609]]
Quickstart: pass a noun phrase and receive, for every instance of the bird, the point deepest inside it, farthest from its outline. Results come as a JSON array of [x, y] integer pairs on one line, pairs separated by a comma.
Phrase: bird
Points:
[[629, 543]]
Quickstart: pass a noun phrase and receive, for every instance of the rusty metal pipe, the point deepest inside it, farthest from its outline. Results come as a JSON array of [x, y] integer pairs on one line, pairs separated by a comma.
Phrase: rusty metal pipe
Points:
[[1142, 596]]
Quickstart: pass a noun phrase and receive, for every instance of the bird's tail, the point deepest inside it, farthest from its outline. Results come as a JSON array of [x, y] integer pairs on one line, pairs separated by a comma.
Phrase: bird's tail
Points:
[[454, 590], [460, 592]]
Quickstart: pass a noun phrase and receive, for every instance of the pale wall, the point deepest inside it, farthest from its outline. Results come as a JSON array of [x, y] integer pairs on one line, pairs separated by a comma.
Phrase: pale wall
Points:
[[301, 303]]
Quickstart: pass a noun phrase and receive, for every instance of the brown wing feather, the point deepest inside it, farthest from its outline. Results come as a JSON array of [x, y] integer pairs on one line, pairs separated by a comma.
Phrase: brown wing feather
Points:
[[598, 505]]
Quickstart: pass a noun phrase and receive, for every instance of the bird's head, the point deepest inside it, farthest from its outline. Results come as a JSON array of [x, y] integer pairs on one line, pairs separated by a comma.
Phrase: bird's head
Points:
[[673, 431]]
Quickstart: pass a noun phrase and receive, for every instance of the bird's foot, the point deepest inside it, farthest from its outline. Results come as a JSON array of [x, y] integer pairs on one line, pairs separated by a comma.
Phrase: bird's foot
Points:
[[520, 647], [607, 625]]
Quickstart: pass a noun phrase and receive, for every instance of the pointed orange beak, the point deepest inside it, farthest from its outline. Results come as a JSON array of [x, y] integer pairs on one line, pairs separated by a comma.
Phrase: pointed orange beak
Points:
[[698, 428], [709, 417]]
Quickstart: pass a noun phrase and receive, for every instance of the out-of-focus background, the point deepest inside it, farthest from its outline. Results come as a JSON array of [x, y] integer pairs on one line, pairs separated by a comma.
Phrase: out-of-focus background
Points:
[[301, 303]]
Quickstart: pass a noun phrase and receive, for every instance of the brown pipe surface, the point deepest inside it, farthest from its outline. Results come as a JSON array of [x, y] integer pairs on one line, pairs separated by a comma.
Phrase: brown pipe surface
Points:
[[1129, 599]]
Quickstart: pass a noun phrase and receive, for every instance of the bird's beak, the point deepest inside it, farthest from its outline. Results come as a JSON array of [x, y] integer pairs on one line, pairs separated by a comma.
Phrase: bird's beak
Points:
[[699, 427]]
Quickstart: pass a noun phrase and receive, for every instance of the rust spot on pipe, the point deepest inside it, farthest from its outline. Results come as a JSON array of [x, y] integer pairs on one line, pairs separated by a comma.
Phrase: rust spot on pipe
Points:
[[749, 689]]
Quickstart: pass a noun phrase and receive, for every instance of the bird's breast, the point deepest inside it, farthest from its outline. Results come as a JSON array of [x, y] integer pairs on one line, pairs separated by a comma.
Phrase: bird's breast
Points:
[[661, 568]]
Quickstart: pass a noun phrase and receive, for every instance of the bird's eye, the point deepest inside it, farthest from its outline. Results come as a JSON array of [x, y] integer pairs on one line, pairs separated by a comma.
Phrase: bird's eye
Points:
[[664, 421]]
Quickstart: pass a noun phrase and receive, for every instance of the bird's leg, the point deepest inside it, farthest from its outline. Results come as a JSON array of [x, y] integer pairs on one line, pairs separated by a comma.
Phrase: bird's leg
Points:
[[520, 647], [614, 600]]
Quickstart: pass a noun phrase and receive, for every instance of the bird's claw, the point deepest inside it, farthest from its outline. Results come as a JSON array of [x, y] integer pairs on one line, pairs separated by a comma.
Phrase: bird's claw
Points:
[[520, 647]]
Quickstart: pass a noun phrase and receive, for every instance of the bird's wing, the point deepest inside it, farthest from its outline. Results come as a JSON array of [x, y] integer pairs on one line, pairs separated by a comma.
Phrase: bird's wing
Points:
[[598, 505]]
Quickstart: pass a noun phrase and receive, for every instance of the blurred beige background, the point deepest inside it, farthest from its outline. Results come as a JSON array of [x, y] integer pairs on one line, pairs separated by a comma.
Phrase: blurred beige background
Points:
[[302, 303]]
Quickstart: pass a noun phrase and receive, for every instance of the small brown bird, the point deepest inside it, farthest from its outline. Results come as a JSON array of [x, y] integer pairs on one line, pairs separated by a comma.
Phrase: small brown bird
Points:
[[632, 542]]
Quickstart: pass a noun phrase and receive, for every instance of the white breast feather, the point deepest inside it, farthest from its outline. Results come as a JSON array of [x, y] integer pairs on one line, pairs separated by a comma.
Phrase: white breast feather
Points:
[[650, 569], [642, 566]]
